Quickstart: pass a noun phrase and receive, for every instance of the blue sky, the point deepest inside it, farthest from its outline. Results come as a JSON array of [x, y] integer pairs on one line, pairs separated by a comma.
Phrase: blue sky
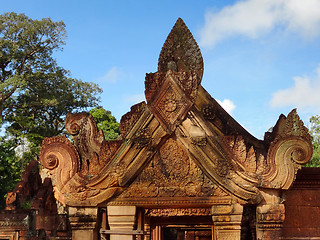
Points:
[[261, 57]]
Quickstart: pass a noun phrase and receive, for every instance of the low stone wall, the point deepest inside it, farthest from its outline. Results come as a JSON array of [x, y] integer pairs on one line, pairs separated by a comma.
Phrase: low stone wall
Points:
[[302, 206], [28, 224]]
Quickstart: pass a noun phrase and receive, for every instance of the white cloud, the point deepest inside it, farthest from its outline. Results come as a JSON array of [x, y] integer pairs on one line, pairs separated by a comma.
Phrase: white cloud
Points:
[[304, 94], [137, 98], [112, 75], [228, 105], [253, 18]]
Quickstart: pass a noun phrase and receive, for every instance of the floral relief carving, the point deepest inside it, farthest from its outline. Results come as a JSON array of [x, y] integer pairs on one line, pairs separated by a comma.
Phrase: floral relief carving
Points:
[[172, 173], [168, 212]]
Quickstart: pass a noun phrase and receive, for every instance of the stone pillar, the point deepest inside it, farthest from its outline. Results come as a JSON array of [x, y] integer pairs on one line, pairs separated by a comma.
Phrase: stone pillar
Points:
[[270, 215], [83, 221], [121, 221], [227, 221], [269, 221]]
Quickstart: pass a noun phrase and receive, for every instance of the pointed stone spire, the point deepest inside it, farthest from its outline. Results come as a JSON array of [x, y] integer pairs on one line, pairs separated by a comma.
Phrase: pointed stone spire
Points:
[[180, 52]]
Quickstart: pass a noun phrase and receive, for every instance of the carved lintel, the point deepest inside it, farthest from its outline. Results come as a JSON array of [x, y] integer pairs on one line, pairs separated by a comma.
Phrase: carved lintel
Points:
[[174, 212]]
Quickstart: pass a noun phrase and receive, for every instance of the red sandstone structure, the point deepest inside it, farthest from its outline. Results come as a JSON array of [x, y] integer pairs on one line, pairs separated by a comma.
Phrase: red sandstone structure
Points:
[[183, 168]]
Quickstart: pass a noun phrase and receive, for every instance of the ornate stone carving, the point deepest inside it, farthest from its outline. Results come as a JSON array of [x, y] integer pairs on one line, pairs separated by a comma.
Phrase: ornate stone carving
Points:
[[87, 140], [62, 153], [180, 52], [245, 157], [153, 82], [179, 75], [74, 168], [129, 119], [176, 212], [290, 147], [208, 112], [179, 149], [172, 102], [142, 138], [172, 174]]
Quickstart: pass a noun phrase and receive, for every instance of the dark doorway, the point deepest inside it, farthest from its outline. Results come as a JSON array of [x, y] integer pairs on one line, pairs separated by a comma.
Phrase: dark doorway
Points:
[[183, 233]]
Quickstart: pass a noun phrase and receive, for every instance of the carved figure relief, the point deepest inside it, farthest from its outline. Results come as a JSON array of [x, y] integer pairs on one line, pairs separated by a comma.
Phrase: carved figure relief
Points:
[[171, 173]]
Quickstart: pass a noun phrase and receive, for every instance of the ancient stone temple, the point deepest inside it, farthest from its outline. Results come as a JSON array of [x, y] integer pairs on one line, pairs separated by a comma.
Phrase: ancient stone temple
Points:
[[183, 168]]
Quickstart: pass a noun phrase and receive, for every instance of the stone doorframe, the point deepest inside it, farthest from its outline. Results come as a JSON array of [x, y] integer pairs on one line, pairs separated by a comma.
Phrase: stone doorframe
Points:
[[125, 222], [128, 222]]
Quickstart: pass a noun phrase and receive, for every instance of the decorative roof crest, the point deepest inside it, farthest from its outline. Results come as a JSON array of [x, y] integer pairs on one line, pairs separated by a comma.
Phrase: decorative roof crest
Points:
[[180, 52]]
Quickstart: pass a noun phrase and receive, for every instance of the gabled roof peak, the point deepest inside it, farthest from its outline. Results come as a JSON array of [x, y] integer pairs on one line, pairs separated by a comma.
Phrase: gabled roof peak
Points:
[[180, 51]]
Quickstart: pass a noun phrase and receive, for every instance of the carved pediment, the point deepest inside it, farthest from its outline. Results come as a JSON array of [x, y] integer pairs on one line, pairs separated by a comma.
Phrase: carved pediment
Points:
[[170, 177], [180, 146]]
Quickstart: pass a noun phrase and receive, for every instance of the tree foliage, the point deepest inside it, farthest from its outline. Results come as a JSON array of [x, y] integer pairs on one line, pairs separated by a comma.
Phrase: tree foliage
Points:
[[26, 47], [315, 134], [10, 167], [106, 122], [35, 93]]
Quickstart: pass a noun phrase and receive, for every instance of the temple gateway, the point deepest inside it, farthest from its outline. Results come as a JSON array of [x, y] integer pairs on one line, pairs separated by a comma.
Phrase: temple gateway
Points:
[[182, 169]]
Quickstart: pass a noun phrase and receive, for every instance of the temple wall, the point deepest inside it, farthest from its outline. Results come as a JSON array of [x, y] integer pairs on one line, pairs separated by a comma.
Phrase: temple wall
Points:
[[302, 205]]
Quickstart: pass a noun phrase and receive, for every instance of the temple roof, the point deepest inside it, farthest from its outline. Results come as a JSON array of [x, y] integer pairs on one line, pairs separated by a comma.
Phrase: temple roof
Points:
[[180, 136]]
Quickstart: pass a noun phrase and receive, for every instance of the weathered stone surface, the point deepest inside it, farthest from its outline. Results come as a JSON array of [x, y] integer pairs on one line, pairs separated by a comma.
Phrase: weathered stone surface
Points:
[[32, 210], [181, 151]]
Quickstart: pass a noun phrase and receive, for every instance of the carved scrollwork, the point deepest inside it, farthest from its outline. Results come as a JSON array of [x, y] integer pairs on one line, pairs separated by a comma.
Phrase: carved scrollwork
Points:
[[61, 158], [290, 154], [290, 148], [51, 162], [74, 121], [75, 168]]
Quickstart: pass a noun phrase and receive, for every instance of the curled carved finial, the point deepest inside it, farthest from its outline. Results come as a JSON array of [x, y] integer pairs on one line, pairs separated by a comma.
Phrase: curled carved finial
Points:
[[290, 148], [74, 121], [59, 153], [180, 52]]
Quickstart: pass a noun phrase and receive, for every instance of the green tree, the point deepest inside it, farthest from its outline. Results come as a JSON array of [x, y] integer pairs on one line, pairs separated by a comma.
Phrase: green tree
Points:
[[39, 112], [26, 46], [315, 134], [9, 168], [106, 122], [35, 93]]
